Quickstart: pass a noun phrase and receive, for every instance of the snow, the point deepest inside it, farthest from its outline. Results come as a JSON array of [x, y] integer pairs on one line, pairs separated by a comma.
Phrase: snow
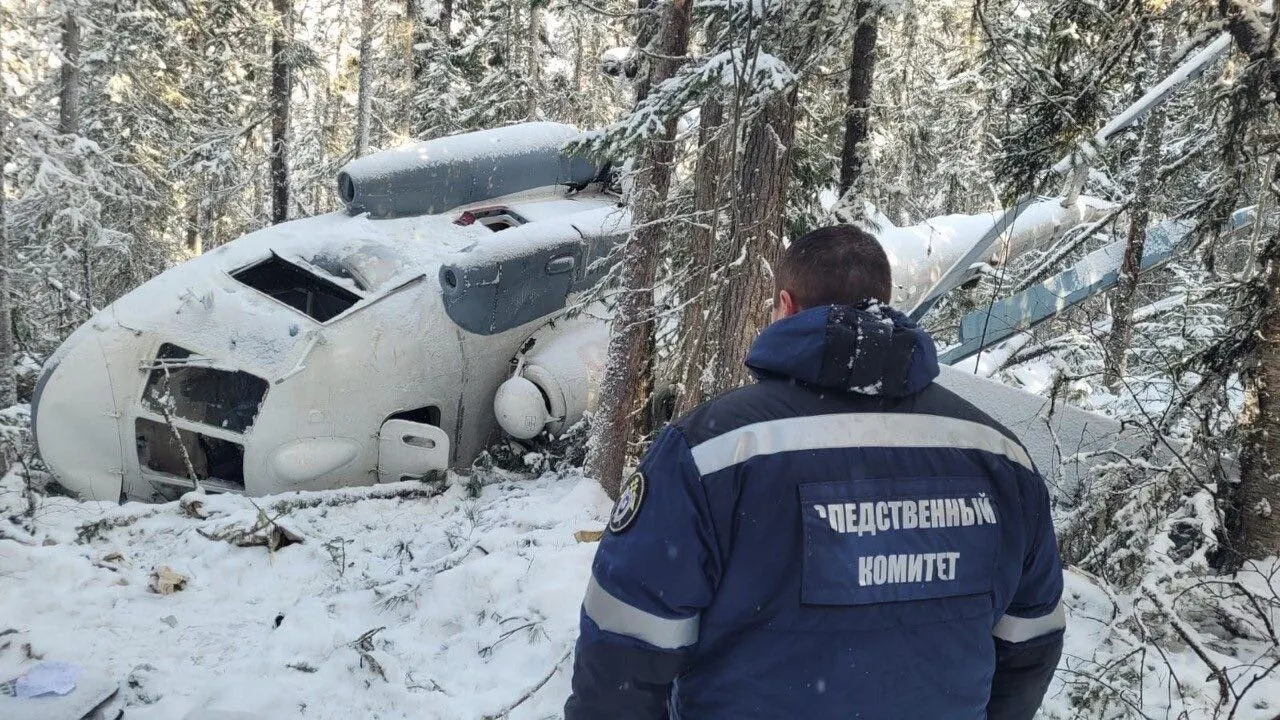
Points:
[[466, 605], [525, 137], [474, 601], [1105, 664]]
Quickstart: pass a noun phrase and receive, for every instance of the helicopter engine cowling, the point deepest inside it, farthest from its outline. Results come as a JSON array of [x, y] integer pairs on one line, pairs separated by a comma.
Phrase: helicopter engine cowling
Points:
[[557, 378]]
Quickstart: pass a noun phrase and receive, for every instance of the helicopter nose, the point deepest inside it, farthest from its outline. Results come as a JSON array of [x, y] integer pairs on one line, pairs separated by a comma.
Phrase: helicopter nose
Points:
[[75, 418]]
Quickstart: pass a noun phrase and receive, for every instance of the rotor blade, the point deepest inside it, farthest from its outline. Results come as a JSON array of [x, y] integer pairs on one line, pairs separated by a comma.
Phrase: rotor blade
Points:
[[1193, 67]]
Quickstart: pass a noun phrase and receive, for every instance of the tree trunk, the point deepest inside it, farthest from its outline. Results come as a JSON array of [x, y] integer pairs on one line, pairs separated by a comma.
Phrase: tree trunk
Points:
[[1116, 350], [862, 67], [446, 22], [534, 66], [757, 236], [70, 77], [364, 102], [416, 59], [707, 191], [1253, 512], [1253, 521], [634, 314], [69, 90], [8, 382], [281, 92]]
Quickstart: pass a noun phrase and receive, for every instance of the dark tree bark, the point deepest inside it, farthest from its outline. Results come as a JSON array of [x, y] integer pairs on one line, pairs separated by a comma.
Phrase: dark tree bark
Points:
[[629, 346], [446, 21], [534, 64], [1253, 512], [416, 60], [1116, 349], [862, 67], [364, 102], [8, 381], [707, 194], [1254, 521], [70, 85], [758, 205], [281, 92], [194, 244], [70, 77]]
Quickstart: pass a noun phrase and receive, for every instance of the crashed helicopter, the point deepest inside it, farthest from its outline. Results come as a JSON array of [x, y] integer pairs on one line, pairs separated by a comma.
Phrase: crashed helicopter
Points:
[[402, 336]]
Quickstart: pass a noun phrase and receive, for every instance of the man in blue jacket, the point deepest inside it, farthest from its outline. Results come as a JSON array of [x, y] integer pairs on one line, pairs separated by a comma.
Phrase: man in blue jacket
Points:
[[843, 539]]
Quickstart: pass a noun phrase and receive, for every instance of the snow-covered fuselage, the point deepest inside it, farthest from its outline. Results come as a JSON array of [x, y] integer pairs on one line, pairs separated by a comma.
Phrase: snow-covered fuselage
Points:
[[279, 358], [374, 345]]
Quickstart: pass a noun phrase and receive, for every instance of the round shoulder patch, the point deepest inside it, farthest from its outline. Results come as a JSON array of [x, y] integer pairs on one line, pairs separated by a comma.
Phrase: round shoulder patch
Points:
[[629, 501]]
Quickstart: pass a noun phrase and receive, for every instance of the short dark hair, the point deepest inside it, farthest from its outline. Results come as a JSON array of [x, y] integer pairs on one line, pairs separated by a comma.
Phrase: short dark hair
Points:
[[837, 265]]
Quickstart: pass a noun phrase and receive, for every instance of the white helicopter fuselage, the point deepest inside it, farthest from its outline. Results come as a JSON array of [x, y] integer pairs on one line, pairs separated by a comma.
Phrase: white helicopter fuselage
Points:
[[297, 398], [450, 303]]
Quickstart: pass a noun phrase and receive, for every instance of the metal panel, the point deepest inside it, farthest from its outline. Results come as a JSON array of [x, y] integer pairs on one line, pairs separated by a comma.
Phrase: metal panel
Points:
[[490, 297], [438, 175], [1098, 272]]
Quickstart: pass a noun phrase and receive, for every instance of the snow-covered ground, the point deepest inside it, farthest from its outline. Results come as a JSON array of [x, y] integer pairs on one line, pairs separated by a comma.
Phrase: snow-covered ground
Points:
[[467, 604], [435, 605]]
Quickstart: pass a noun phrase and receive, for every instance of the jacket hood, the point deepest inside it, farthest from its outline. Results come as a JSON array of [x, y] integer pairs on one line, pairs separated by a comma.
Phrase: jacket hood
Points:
[[870, 349]]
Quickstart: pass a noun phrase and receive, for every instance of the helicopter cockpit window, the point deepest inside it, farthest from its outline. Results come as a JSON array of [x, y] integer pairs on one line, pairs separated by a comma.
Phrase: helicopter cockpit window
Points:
[[300, 289], [184, 385], [182, 453]]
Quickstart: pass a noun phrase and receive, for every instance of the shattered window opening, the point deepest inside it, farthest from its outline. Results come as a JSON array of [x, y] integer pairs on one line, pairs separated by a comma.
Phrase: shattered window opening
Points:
[[182, 385], [212, 459], [304, 291], [429, 415], [498, 219]]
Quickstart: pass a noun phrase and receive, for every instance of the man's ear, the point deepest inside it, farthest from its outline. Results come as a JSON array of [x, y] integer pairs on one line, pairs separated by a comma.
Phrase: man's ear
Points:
[[785, 305]]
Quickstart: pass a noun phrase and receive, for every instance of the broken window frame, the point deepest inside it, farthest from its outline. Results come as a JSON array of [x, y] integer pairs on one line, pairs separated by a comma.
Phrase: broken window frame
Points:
[[490, 216], [182, 479], [143, 412], [363, 297], [194, 359]]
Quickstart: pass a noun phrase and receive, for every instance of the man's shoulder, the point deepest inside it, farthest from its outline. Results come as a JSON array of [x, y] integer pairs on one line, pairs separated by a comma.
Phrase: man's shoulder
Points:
[[747, 405], [779, 399]]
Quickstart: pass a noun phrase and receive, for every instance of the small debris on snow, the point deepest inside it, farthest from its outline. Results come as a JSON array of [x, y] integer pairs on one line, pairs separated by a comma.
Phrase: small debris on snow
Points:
[[193, 504], [46, 678], [166, 581]]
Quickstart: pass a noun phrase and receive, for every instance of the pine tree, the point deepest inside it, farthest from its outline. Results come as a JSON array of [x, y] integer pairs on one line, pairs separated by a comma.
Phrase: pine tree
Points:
[[8, 382], [364, 106], [281, 99], [629, 346], [1254, 511], [862, 66]]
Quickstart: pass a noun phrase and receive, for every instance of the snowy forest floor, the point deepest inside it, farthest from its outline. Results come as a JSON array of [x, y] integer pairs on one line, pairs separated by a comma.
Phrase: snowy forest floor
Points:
[[422, 601]]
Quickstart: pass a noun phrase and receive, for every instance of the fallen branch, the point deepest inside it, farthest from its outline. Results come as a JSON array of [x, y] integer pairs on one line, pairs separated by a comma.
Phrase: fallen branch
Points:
[[504, 712], [265, 532], [410, 490], [1224, 684], [302, 500], [364, 646]]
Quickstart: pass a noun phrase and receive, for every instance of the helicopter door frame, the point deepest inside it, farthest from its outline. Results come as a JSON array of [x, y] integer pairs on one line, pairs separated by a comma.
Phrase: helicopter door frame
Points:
[[138, 410]]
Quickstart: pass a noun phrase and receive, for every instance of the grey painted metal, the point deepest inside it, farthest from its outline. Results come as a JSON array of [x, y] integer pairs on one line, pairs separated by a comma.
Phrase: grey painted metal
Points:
[[487, 296], [1098, 272], [1192, 68], [438, 175], [1065, 442]]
